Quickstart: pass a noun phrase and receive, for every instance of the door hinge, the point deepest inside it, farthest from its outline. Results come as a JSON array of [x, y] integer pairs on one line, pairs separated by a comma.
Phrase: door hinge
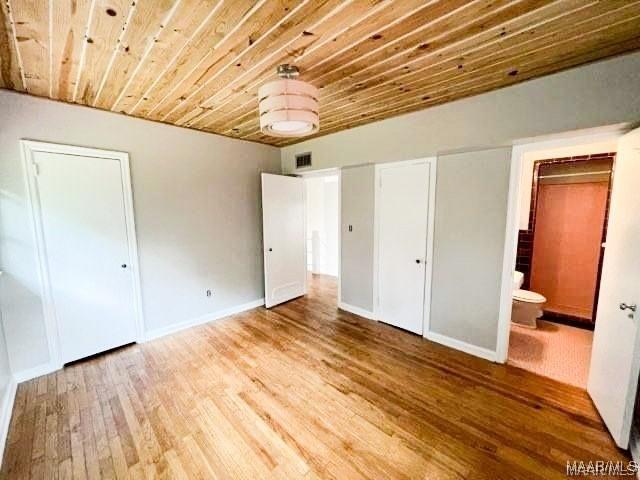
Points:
[[36, 169]]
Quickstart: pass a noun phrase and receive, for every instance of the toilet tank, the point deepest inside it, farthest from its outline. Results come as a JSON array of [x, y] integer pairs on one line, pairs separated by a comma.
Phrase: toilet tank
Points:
[[518, 279]]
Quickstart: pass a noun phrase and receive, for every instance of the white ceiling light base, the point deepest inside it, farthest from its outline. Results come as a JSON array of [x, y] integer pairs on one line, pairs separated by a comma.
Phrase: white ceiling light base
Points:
[[288, 107]]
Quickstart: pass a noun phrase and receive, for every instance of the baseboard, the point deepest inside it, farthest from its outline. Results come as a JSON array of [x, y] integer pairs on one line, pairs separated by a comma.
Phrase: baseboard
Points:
[[462, 346], [31, 373], [161, 332], [46, 368], [356, 310], [5, 414]]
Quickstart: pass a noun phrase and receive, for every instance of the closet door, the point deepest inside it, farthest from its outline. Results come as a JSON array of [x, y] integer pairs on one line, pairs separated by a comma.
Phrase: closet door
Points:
[[403, 212], [84, 229]]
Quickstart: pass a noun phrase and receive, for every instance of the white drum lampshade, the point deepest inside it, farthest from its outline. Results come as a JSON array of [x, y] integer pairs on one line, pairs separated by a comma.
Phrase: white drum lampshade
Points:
[[288, 107]]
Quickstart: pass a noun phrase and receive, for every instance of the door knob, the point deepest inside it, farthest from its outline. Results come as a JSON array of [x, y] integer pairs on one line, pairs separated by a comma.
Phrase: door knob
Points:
[[632, 307], [418, 260], [124, 265], [271, 249]]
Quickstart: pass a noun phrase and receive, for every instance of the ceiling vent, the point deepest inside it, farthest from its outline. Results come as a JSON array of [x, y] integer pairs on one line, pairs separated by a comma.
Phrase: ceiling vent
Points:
[[303, 160]]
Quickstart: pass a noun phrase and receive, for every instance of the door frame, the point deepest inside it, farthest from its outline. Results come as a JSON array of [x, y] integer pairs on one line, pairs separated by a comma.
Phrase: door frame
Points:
[[426, 307], [28, 148], [572, 139], [327, 172]]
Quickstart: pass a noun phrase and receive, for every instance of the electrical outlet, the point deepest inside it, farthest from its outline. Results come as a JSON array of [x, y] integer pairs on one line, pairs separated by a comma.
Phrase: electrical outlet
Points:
[[209, 293]]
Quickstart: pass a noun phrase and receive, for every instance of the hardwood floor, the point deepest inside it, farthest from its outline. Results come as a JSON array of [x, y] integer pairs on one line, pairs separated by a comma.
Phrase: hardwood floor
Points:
[[300, 391]]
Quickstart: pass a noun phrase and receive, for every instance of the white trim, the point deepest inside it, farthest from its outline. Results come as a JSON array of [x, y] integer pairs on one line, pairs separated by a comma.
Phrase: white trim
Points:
[[375, 299], [304, 214], [432, 162], [462, 346], [509, 255], [210, 317], [35, 372], [339, 236], [356, 310], [43, 274], [513, 215], [431, 224], [28, 148], [307, 172], [5, 414]]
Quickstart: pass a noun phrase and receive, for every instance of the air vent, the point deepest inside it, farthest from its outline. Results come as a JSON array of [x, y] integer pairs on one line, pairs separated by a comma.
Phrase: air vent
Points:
[[303, 160]]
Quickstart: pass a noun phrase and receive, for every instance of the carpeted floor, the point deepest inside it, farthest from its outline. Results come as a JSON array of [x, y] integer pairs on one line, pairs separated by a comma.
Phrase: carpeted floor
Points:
[[556, 351]]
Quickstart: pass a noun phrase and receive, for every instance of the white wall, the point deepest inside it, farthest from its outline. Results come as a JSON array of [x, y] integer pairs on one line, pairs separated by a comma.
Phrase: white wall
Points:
[[331, 225], [356, 262], [197, 196], [468, 246], [5, 369], [7, 385], [322, 217], [197, 211], [602, 93], [594, 95]]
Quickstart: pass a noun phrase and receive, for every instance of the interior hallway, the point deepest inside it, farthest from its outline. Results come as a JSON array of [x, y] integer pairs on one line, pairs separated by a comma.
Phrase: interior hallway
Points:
[[301, 391]]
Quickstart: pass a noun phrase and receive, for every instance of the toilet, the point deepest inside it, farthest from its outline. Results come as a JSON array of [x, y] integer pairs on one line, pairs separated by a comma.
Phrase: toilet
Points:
[[527, 306]]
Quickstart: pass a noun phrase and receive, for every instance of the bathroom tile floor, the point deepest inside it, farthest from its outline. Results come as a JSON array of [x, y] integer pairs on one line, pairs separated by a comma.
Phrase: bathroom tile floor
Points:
[[553, 350]]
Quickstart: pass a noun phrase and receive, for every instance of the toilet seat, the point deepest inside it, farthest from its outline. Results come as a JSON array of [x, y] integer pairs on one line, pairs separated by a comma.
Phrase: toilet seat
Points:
[[528, 296]]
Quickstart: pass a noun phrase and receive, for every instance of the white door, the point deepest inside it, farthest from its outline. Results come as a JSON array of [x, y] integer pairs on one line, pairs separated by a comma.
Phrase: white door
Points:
[[283, 229], [85, 239], [615, 358], [403, 212]]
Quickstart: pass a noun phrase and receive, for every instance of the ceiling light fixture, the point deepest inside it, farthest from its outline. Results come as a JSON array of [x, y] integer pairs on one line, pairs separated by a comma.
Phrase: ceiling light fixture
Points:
[[288, 107]]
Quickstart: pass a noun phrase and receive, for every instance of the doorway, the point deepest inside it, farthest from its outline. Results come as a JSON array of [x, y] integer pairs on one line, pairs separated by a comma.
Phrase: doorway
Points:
[[614, 361], [85, 236], [322, 207], [300, 234], [559, 259]]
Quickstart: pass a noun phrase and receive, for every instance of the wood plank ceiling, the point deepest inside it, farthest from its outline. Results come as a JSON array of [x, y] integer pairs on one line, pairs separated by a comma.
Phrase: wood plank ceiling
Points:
[[199, 63]]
